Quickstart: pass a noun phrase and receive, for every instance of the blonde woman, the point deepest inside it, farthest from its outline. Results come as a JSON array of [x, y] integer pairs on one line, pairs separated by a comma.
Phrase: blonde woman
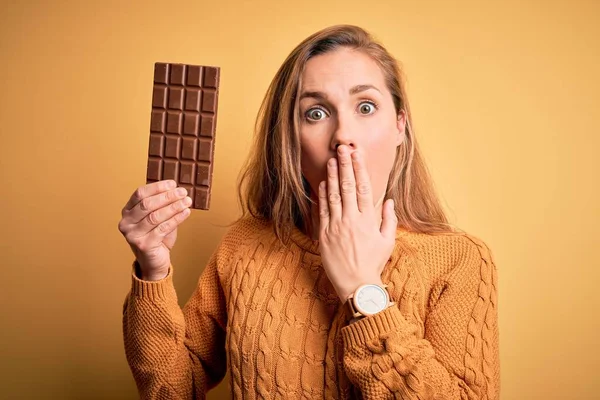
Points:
[[343, 278]]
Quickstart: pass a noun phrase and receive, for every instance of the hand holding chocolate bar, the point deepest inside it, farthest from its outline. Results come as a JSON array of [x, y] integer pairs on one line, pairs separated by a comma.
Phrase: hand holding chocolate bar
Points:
[[149, 223], [180, 152]]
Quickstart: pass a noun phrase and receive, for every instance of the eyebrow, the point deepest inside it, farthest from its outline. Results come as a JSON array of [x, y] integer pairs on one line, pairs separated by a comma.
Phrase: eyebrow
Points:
[[354, 90]]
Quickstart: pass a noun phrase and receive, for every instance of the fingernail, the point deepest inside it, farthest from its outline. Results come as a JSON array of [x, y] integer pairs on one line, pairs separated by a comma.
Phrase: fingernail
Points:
[[172, 184], [355, 155], [332, 163], [181, 192]]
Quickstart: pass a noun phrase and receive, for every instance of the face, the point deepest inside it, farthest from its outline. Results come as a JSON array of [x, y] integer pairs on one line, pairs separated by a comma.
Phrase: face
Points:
[[344, 101]]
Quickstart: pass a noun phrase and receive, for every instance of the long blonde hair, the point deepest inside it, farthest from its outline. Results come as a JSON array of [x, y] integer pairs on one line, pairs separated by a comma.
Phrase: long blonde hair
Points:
[[271, 184]]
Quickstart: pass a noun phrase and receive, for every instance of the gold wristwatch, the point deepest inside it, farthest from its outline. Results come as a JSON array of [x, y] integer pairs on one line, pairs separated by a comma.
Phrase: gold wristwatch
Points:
[[368, 300]]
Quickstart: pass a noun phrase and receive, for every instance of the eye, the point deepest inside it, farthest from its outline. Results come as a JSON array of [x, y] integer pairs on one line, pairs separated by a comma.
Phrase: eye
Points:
[[316, 114], [367, 107]]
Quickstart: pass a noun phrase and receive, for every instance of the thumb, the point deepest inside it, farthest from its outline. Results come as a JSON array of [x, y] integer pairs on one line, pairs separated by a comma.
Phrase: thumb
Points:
[[390, 222]]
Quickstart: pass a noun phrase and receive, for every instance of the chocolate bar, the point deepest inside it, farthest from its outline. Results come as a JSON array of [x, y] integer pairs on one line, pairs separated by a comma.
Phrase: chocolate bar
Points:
[[183, 127]]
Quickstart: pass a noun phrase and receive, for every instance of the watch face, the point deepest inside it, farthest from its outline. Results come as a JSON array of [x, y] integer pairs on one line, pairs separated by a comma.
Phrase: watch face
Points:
[[371, 299]]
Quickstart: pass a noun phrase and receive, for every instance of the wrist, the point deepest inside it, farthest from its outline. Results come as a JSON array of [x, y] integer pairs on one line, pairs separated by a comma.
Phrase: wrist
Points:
[[158, 276], [150, 276], [351, 289]]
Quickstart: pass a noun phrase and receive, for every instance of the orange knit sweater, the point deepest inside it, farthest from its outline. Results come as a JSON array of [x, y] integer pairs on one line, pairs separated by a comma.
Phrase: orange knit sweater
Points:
[[269, 314]]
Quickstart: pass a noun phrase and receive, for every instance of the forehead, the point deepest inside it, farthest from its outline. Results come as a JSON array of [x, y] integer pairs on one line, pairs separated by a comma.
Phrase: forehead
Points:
[[342, 67]]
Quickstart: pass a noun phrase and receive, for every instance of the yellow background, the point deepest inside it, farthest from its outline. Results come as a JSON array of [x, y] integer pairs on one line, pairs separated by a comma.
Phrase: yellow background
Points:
[[505, 101]]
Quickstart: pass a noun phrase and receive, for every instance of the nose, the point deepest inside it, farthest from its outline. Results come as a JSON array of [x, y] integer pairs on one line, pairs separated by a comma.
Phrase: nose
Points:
[[344, 133]]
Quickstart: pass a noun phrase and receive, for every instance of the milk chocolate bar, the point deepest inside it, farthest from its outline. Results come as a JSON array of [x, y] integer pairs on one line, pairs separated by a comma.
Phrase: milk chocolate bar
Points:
[[182, 128]]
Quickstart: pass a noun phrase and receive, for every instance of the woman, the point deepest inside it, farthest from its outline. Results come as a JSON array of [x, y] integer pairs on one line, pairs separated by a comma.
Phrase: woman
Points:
[[343, 278]]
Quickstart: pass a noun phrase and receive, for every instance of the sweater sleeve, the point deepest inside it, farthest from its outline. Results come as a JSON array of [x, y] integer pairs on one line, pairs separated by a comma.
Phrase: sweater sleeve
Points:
[[175, 353], [457, 358]]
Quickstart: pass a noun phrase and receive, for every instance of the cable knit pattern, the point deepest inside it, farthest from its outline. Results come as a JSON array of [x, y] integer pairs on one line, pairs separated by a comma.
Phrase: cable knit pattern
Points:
[[270, 314]]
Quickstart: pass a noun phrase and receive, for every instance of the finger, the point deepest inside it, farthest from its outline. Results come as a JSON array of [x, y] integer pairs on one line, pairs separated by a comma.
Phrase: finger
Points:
[[148, 190], [153, 203], [364, 192], [162, 214], [168, 226], [389, 223], [347, 181], [333, 191], [323, 206]]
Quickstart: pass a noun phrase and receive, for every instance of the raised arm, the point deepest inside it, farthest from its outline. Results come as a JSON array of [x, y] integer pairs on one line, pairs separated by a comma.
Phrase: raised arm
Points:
[[458, 356]]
